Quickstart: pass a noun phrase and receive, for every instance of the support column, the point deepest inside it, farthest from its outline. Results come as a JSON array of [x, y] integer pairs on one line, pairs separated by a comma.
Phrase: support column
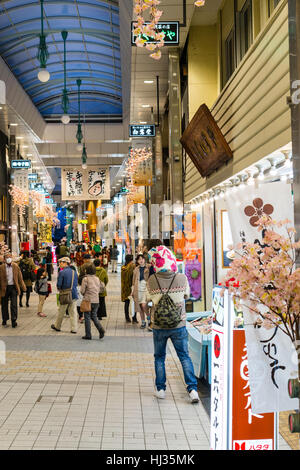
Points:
[[294, 37], [175, 150]]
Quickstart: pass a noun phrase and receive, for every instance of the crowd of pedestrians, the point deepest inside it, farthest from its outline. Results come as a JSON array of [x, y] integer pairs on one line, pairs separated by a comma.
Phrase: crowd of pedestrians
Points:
[[81, 283], [151, 285]]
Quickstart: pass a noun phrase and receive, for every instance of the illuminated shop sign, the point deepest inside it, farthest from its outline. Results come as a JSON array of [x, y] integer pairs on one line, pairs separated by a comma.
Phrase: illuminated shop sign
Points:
[[39, 188], [33, 176], [20, 164], [170, 28], [142, 130], [83, 222]]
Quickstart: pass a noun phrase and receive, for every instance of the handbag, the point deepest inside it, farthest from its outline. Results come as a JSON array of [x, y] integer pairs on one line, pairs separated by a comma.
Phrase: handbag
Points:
[[85, 306], [65, 295]]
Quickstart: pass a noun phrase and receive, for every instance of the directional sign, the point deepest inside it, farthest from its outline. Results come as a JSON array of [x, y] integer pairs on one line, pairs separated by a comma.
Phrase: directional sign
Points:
[[170, 28], [20, 164], [142, 130]]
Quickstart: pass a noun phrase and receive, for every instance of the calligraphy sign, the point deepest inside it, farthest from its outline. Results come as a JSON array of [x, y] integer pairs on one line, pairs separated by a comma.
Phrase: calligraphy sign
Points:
[[205, 143], [90, 184]]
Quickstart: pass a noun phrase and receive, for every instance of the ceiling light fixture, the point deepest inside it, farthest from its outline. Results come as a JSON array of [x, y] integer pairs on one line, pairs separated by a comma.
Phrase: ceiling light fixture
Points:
[[148, 81], [65, 119], [43, 53], [145, 105]]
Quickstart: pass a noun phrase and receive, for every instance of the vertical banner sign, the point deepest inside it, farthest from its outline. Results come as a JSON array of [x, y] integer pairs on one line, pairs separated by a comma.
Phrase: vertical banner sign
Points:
[[219, 372], [143, 174], [271, 354], [234, 424], [250, 431]]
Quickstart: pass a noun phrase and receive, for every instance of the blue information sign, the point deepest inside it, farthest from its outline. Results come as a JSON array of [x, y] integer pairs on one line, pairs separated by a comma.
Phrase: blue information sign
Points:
[[20, 164]]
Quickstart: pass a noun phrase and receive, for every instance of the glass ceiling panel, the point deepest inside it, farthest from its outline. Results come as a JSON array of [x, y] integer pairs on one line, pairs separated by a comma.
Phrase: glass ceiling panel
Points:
[[93, 52]]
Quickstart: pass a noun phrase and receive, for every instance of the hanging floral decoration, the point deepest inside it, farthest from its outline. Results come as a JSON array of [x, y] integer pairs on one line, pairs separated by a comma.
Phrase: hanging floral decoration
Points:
[[137, 156], [148, 30], [38, 202], [20, 198]]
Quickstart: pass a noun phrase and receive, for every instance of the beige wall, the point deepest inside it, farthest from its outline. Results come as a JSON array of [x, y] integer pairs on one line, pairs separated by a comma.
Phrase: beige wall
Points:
[[252, 111], [203, 67]]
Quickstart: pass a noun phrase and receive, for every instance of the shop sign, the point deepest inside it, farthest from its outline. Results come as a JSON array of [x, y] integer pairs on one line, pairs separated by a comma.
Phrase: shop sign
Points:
[[20, 164], [85, 236], [170, 28], [32, 176], [234, 424], [205, 144], [21, 179], [82, 222], [49, 200], [142, 130]]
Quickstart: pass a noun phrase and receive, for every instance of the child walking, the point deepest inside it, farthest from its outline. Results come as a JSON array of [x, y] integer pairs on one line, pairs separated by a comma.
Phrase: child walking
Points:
[[41, 288]]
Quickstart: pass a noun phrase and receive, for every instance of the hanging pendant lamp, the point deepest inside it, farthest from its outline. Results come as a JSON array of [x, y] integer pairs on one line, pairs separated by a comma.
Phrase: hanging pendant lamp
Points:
[[84, 158], [84, 154], [79, 135], [65, 99], [43, 53]]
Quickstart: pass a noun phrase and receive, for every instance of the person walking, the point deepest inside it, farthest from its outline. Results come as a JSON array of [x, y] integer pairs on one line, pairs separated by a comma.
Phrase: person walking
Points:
[[168, 290], [79, 258], [103, 278], [63, 251], [41, 288], [126, 286], [82, 271], [67, 282], [139, 287], [27, 268], [11, 285], [72, 249], [49, 261], [90, 289], [114, 253], [105, 258]]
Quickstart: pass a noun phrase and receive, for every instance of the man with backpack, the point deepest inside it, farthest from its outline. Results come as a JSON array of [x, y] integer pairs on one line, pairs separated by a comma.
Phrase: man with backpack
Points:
[[167, 290]]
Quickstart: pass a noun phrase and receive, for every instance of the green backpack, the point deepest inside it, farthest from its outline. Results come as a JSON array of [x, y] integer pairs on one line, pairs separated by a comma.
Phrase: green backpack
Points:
[[167, 315]]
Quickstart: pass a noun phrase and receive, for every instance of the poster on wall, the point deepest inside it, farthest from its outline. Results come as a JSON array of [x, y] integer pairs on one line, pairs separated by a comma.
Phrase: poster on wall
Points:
[[271, 354], [90, 184]]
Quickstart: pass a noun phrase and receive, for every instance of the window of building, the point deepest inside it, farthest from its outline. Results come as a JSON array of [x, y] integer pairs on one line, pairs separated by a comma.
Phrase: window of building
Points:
[[246, 35], [229, 56], [272, 4]]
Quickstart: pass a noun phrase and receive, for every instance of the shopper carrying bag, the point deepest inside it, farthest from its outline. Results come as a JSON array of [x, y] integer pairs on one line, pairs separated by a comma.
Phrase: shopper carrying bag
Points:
[[90, 289]]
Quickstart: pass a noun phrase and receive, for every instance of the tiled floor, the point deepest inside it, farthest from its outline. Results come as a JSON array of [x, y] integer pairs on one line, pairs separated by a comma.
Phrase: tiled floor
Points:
[[60, 392]]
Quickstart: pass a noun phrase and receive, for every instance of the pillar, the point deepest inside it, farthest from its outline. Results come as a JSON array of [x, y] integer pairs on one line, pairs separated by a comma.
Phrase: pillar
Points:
[[175, 149]]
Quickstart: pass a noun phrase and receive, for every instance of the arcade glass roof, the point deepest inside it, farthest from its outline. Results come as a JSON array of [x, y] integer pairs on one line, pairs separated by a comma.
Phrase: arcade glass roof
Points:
[[93, 54]]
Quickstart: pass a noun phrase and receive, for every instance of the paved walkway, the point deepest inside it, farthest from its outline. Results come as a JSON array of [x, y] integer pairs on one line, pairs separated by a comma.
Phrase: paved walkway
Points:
[[58, 391]]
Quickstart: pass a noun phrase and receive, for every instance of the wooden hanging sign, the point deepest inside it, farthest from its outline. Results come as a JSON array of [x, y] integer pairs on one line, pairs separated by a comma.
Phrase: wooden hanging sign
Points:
[[205, 143]]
